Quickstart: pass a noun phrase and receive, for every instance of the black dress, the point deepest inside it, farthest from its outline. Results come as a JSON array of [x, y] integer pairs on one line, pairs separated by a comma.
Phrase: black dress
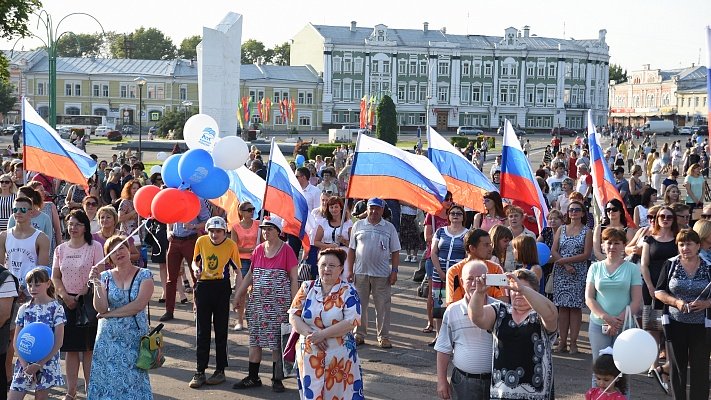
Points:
[[659, 253]]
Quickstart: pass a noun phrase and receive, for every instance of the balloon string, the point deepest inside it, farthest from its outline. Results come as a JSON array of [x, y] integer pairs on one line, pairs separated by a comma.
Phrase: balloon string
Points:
[[609, 386], [106, 257]]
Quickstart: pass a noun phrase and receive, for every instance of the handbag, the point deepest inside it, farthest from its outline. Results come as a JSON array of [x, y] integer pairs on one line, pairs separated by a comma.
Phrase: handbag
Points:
[[549, 283], [288, 353], [85, 311], [424, 289], [304, 272], [150, 346]]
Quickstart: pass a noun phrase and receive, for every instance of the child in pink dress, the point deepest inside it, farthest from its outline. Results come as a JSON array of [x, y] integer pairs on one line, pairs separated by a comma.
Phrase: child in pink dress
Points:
[[610, 383]]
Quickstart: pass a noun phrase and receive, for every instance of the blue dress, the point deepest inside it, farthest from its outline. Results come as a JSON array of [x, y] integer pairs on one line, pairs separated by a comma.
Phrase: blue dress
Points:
[[116, 348]]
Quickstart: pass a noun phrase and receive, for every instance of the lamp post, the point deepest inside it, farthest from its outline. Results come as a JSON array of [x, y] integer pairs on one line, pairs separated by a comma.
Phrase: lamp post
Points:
[[186, 105], [140, 81]]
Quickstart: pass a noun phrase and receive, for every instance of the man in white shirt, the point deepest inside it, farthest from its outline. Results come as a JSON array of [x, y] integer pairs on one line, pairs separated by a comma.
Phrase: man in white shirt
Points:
[[555, 182], [310, 191], [468, 347]]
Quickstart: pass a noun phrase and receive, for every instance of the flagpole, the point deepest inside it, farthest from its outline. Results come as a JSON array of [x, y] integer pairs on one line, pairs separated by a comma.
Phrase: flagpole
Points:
[[24, 133]]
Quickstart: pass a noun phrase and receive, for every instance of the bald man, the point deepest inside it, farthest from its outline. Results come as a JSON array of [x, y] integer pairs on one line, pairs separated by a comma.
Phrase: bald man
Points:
[[468, 346]]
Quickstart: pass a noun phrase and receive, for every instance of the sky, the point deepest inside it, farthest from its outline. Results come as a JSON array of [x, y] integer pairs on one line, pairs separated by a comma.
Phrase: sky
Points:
[[661, 33]]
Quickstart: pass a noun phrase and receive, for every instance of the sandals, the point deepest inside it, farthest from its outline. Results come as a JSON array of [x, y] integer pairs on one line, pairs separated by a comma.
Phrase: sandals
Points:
[[428, 329], [659, 373], [573, 348]]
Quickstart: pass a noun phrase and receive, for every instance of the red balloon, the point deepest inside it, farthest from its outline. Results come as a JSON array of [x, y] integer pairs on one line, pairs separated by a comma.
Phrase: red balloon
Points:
[[192, 206], [143, 198], [168, 206]]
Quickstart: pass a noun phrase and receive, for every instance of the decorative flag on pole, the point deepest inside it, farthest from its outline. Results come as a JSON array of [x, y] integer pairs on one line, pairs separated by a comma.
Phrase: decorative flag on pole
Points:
[[245, 185], [292, 110], [46, 152], [517, 180], [240, 115], [604, 188], [371, 112], [267, 109], [708, 79], [382, 170], [260, 109], [363, 113], [466, 183], [283, 196]]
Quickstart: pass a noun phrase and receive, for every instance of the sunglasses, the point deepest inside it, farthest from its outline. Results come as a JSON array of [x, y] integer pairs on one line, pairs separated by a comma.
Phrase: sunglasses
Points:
[[706, 216], [22, 210], [651, 217], [665, 217], [327, 192], [6, 182], [612, 209], [575, 210], [248, 209], [456, 214], [92, 203]]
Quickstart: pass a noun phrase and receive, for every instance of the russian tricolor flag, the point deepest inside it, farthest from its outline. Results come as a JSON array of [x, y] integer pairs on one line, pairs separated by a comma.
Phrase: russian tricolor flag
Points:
[[245, 185], [46, 152], [464, 180], [708, 78], [517, 180], [604, 188], [382, 170], [283, 196]]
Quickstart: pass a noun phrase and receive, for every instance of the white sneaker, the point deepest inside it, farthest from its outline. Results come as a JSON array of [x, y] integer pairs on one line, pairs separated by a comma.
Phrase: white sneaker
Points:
[[239, 327]]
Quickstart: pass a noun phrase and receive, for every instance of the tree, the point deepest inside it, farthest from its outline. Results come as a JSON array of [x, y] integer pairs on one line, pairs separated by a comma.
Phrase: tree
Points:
[[80, 45], [282, 54], [7, 97], [387, 121], [187, 47], [253, 50], [616, 73], [143, 44], [174, 120], [4, 69], [15, 15]]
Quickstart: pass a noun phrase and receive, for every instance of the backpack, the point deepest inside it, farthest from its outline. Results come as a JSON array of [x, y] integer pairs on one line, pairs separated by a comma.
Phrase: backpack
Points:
[[5, 328]]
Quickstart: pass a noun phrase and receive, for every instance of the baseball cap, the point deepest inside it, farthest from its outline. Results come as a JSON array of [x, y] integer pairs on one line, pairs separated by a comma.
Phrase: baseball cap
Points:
[[376, 202], [216, 223], [273, 222]]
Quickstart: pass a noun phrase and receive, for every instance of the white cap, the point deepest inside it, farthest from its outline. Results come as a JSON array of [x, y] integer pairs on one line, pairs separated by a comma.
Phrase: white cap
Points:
[[216, 223], [274, 222]]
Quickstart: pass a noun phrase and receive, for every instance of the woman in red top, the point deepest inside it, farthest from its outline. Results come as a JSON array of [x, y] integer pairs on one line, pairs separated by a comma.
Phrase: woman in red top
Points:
[[572, 168]]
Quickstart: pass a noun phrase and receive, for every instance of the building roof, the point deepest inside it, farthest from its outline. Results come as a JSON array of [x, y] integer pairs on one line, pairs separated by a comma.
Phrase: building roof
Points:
[[343, 35]]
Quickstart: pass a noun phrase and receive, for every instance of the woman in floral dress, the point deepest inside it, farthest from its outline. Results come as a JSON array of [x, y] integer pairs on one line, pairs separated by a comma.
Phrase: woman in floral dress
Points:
[[324, 312]]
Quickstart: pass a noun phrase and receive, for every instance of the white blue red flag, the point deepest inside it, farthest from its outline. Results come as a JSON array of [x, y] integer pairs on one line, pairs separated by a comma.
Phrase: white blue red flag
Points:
[[466, 183], [245, 185], [283, 196], [46, 152], [517, 180], [382, 170], [708, 78], [604, 188]]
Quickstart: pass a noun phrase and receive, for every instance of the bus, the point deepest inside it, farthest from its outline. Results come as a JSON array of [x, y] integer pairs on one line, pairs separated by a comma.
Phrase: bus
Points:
[[87, 122]]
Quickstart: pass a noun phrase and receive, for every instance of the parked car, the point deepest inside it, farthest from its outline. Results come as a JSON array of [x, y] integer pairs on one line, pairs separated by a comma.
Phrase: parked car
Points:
[[101, 130], [10, 130], [563, 132], [64, 132], [114, 136], [685, 130], [469, 130]]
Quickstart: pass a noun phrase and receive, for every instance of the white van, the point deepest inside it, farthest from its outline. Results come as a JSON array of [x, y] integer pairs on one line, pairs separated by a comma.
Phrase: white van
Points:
[[664, 127]]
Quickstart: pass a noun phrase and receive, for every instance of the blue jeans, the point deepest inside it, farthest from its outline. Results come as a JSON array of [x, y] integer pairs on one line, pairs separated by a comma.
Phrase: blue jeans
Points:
[[246, 263], [598, 341]]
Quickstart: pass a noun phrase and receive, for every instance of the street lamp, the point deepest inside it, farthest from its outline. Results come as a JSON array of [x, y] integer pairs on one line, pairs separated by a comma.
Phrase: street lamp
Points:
[[186, 105], [140, 81]]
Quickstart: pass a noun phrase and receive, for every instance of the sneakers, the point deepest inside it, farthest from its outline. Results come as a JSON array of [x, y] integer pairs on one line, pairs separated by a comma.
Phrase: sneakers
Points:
[[277, 386], [247, 383], [216, 378], [384, 343], [198, 380], [166, 317]]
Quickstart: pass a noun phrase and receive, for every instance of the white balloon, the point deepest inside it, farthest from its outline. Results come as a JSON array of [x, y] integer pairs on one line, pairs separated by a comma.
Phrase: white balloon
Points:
[[161, 156], [200, 132], [634, 351], [156, 169], [230, 152]]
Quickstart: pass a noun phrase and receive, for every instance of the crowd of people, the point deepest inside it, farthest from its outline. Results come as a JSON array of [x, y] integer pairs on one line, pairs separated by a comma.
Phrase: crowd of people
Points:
[[84, 250]]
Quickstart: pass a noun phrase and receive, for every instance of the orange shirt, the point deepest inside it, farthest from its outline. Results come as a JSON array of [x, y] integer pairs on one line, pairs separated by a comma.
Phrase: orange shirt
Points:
[[455, 283]]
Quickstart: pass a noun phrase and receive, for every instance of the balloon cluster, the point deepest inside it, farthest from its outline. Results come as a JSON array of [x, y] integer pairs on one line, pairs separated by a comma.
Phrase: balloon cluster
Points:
[[199, 172]]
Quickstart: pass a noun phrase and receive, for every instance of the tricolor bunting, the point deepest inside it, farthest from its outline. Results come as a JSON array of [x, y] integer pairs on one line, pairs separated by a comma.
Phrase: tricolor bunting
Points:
[[245, 185], [517, 180], [708, 79], [283, 196], [382, 170], [464, 180], [604, 188], [46, 152]]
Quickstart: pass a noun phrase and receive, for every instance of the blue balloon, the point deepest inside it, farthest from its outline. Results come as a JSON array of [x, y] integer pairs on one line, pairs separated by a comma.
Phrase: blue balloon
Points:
[[215, 186], [544, 253], [35, 341], [169, 173], [195, 166]]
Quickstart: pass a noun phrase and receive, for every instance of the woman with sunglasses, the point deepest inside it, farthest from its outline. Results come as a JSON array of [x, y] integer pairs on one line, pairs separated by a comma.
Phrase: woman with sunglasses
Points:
[[649, 197], [245, 233], [8, 193], [494, 214], [614, 218], [90, 204], [571, 250]]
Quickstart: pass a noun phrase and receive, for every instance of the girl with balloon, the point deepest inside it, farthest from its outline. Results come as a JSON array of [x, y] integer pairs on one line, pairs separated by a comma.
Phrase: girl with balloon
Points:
[[38, 337]]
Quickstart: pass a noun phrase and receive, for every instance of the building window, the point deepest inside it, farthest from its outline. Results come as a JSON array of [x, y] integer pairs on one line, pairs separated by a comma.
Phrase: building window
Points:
[[401, 67], [476, 94], [412, 93], [443, 68], [503, 94], [347, 65], [540, 96], [477, 68], [347, 91], [337, 64], [465, 94], [530, 70], [337, 90], [123, 93], [100, 89], [41, 88], [576, 70], [43, 111], [72, 110], [423, 93], [541, 70], [386, 67], [155, 91], [582, 71], [423, 68], [304, 120], [96, 89], [183, 92], [465, 69], [487, 94], [551, 70], [375, 67], [413, 67], [443, 94], [487, 69], [358, 66], [401, 88], [568, 70], [357, 90], [68, 89], [550, 96], [530, 95]]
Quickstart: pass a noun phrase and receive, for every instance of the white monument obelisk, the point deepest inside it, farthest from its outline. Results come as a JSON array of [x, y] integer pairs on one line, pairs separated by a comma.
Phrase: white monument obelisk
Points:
[[219, 62]]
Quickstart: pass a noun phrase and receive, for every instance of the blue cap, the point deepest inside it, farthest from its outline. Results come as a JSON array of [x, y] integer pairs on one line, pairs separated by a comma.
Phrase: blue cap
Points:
[[376, 202]]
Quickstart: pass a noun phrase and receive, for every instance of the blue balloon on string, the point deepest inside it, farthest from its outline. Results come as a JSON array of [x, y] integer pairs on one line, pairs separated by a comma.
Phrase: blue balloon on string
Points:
[[195, 166], [214, 187], [544, 253], [170, 174], [35, 341]]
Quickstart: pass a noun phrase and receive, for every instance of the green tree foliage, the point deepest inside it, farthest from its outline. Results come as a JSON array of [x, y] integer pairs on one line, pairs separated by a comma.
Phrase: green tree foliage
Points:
[[143, 44], [253, 50], [187, 47], [282, 54], [174, 120], [4, 69], [7, 97], [386, 115], [617, 74], [15, 14], [80, 45]]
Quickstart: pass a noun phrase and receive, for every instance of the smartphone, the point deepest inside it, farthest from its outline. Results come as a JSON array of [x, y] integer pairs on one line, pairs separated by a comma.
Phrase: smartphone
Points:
[[605, 329], [496, 280]]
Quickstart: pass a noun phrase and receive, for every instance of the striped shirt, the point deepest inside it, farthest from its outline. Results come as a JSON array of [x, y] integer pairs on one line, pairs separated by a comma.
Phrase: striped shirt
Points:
[[6, 203]]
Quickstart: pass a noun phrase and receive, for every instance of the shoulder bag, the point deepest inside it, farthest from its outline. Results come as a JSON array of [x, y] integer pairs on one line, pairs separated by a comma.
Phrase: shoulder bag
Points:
[[150, 346]]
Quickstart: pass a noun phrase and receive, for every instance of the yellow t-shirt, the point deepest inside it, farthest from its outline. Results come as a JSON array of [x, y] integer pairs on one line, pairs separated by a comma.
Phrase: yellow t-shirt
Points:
[[213, 260]]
